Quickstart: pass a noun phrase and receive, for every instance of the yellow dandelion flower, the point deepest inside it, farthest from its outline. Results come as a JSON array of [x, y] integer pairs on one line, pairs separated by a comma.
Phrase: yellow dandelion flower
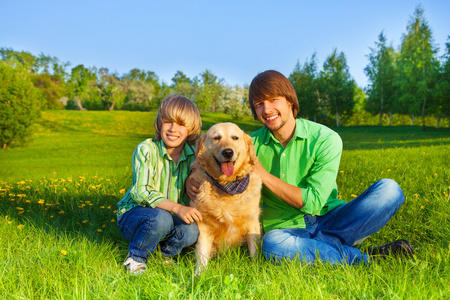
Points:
[[20, 226], [113, 221], [102, 207], [61, 212], [426, 200], [85, 221], [354, 196], [422, 207], [28, 201], [435, 174], [122, 191], [99, 230], [389, 170], [19, 208], [9, 222], [63, 252], [109, 207], [416, 195], [41, 201]]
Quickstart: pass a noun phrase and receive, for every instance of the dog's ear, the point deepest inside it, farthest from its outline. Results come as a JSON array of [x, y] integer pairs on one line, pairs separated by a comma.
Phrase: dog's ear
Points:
[[199, 145], [250, 149]]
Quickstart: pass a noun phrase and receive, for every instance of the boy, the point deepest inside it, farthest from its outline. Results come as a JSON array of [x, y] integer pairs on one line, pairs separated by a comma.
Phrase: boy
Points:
[[154, 210]]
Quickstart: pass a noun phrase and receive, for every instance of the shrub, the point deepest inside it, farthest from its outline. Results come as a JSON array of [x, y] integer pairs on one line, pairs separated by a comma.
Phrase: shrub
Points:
[[19, 104]]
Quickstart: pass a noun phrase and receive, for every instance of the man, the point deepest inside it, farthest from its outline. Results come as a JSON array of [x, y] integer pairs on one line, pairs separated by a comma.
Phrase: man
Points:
[[299, 162]]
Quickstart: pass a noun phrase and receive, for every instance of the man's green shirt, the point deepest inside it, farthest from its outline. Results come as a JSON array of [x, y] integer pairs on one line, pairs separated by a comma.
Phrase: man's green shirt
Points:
[[310, 161], [156, 177]]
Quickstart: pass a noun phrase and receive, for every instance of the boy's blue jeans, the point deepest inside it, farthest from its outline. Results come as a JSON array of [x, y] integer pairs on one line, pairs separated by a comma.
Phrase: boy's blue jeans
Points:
[[330, 237], [147, 227]]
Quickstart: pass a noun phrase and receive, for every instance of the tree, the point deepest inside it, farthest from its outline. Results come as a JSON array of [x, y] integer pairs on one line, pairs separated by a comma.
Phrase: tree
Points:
[[381, 73], [444, 85], [336, 85], [418, 67], [183, 85], [234, 101], [78, 86], [209, 92], [19, 104], [111, 90], [304, 80]]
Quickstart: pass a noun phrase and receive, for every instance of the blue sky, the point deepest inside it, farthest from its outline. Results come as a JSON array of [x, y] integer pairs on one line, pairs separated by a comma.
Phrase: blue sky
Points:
[[235, 40]]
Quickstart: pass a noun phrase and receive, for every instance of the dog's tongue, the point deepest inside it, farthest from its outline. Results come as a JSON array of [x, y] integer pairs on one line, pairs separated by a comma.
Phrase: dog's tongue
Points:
[[228, 168]]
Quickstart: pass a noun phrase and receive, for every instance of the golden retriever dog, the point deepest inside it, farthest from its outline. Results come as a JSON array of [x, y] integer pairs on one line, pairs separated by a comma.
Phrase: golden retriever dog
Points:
[[230, 192]]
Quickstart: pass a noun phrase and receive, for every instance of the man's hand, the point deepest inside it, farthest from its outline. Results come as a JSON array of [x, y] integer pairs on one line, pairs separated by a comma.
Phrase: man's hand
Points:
[[192, 188]]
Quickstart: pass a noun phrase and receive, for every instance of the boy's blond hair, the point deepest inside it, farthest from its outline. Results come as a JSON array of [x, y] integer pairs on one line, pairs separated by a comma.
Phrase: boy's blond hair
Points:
[[179, 109]]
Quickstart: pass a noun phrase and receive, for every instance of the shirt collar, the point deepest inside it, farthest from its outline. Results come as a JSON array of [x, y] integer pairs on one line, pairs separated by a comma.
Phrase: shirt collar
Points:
[[301, 132], [188, 150]]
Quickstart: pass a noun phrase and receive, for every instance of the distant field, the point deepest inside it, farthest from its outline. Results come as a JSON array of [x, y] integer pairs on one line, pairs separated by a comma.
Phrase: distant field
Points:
[[59, 238]]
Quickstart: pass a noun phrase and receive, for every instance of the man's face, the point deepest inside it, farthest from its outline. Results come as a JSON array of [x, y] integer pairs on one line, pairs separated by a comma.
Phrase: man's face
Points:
[[274, 112]]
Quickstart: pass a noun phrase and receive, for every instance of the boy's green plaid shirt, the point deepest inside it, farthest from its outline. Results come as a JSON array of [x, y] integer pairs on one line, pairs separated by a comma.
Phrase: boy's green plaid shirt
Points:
[[156, 177]]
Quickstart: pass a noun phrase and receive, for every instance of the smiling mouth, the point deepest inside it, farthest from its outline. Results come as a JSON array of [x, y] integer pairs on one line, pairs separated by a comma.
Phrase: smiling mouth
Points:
[[227, 167], [172, 137], [271, 118]]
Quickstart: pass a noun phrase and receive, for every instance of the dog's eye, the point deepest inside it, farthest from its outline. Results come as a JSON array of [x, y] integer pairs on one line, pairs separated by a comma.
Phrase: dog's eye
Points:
[[235, 137], [217, 138]]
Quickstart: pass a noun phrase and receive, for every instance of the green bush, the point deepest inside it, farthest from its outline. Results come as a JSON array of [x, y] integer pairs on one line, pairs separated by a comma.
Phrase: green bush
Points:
[[19, 104]]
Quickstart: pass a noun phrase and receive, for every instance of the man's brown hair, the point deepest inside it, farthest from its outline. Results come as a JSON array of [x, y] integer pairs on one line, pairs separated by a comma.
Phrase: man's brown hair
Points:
[[271, 84]]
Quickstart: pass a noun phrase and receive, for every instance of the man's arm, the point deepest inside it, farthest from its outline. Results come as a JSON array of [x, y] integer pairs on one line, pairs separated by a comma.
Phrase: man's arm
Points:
[[290, 194]]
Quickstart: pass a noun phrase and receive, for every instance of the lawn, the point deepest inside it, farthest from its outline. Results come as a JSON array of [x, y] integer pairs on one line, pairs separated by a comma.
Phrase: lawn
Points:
[[59, 238]]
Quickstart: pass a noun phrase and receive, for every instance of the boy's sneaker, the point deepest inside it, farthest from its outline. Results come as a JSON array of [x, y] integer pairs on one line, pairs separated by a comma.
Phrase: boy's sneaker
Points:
[[135, 267]]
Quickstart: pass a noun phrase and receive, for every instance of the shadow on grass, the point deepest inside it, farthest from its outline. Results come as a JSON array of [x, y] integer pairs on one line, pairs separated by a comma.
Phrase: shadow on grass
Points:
[[377, 137]]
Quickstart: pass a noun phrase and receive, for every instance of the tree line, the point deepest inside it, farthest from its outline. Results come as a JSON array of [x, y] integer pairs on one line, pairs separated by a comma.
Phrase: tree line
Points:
[[411, 81]]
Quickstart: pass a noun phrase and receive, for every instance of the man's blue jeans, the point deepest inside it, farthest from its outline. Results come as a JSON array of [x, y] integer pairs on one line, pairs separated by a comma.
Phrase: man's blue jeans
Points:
[[330, 237], [147, 227]]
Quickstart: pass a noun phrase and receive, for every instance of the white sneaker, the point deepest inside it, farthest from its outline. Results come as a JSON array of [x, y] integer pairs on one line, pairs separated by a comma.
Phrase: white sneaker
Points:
[[135, 267]]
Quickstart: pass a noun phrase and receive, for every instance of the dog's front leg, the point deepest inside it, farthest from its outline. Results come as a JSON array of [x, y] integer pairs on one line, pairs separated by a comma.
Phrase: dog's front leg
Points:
[[253, 239], [203, 250]]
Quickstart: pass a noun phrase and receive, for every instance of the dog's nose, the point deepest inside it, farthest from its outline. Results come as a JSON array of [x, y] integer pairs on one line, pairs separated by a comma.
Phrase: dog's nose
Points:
[[227, 153]]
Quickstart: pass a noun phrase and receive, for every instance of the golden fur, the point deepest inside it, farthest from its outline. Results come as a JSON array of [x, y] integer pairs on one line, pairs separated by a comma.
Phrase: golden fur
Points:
[[227, 220]]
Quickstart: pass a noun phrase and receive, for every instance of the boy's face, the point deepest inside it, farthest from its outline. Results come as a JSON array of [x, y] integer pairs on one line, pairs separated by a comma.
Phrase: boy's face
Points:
[[274, 112], [174, 136]]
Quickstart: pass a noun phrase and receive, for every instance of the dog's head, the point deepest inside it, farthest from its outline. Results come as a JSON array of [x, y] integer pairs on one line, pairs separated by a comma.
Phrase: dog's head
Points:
[[225, 152]]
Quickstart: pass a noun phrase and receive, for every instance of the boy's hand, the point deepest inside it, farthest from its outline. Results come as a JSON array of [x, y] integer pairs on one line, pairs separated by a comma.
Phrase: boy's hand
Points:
[[188, 214], [192, 188]]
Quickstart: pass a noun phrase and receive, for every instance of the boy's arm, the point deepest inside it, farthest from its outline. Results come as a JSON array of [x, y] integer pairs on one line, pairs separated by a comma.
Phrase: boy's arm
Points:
[[186, 213], [144, 190]]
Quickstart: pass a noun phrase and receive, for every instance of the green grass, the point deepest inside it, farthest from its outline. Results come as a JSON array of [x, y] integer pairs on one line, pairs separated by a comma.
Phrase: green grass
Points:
[[59, 238]]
